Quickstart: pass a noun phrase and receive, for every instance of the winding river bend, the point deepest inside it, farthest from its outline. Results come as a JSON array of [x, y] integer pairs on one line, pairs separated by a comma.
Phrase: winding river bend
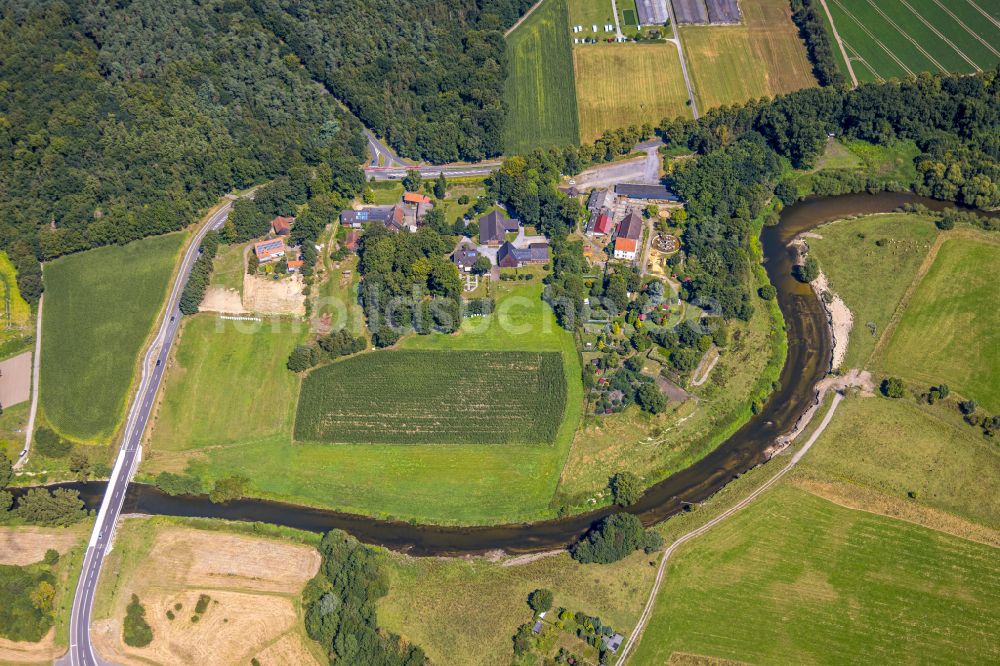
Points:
[[809, 353]]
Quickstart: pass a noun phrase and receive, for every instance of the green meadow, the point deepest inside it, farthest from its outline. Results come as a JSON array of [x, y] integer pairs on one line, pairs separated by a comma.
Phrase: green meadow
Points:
[[100, 307], [541, 92]]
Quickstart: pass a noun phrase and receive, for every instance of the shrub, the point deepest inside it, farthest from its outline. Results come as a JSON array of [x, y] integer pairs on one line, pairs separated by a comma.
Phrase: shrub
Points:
[[967, 407], [523, 640], [51, 557], [626, 488], [25, 610], [540, 600], [808, 271], [892, 387], [767, 292], [202, 605], [385, 336], [614, 538], [170, 615], [229, 488], [60, 508], [49, 444], [178, 484], [136, 632]]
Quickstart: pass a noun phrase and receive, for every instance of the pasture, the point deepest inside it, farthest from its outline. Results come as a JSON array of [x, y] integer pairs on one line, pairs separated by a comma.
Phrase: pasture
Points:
[[459, 483], [897, 447], [899, 38], [764, 56], [540, 92], [226, 383], [950, 330], [813, 582], [431, 397], [100, 307], [870, 262], [463, 612], [607, 98]]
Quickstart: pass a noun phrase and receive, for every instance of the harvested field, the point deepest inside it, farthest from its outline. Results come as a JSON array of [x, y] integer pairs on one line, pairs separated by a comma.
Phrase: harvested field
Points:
[[222, 300], [764, 56], [26, 545], [254, 585], [432, 397], [23, 652], [652, 90], [15, 380]]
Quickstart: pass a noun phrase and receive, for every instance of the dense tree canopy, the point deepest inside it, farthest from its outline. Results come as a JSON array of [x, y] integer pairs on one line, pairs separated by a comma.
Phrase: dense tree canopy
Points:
[[428, 75], [122, 119]]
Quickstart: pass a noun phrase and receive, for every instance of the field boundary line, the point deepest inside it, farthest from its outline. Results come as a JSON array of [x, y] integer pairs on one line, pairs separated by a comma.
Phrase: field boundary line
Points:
[[925, 265], [941, 36], [969, 30], [909, 521], [985, 14], [840, 43], [875, 39], [517, 24], [861, 59], [36, 365], [908, 37], [647, 611]]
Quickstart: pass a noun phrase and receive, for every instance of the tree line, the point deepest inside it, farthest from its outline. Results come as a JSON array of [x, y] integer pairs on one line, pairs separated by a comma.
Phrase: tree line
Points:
[[812, 27]]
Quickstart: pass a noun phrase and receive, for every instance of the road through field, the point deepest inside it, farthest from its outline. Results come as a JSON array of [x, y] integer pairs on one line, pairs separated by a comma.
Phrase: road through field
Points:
[[647, 611], [840, 43], [35, 366], [684, 68], [81, 651]]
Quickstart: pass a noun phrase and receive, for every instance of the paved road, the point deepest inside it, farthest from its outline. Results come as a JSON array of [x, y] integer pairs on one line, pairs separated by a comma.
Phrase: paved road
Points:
[[378, 148], [33, 410], [449, 170], [81, 652]]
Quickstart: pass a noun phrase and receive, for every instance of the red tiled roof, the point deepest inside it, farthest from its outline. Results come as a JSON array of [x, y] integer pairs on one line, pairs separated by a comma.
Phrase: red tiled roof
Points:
[[603, 224], [623, 244], [413, 197], [282, 224], [297, 263]]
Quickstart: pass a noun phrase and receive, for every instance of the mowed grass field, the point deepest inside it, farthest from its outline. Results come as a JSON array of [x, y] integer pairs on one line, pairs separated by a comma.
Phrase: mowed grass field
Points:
[[227, 383], [458, 484], [794, 578], [762, 57], [872, 277], [540, 90], [903, 38], [618, 85], [950, 330], [100, 306], [588, 13], [434, 397]]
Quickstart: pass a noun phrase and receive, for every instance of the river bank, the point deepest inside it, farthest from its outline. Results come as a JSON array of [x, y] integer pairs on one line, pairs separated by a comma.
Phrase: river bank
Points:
[[810, 349]]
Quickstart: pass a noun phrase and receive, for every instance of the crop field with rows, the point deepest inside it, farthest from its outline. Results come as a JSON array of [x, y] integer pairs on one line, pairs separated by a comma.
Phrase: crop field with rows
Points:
[[434, 397]]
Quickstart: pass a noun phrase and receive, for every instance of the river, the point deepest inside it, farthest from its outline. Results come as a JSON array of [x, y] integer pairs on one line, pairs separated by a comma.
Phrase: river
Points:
[[809, 353]]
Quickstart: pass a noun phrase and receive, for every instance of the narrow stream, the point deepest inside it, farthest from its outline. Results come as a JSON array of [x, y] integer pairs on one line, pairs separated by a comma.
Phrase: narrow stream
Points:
[[809, 353]]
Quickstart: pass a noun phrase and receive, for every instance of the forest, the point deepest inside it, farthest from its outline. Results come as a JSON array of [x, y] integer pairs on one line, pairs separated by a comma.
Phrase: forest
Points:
[[119, 120], [427, 75]]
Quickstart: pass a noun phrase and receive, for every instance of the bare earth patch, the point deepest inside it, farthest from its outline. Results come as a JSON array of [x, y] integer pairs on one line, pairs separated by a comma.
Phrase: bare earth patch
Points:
[[15, 379], [26, 545], [221, 299], [269, 296], [254, 585]]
